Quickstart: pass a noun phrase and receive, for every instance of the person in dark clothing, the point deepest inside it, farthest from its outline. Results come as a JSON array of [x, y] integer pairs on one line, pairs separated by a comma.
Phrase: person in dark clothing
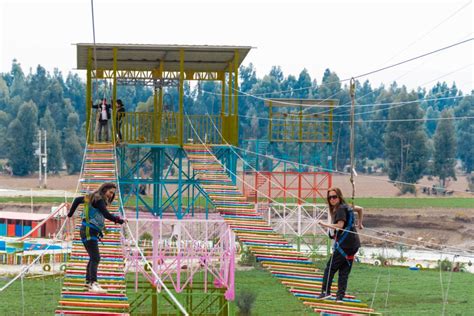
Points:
[[94, 212], [346, 243], [104, 116], [120, 114]]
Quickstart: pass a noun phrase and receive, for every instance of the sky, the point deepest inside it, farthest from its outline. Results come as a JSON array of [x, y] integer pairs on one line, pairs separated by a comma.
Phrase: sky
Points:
[[348, 37]]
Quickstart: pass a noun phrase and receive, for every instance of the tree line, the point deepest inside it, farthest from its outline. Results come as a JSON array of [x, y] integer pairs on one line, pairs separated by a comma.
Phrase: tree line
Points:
[[409, 133]]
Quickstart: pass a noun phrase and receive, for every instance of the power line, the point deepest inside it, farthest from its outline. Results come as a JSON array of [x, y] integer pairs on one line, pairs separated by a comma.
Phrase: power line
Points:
[[336, 171], [230, 171], [411, 59], [361, 120], [397, 54], [430, 31], [361, 75], [395, 104]]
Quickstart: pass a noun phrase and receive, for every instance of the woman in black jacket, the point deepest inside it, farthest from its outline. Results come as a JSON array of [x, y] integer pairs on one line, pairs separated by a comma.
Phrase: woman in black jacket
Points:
[[104, 115], [120, 115], [93, 215], [346, 243]]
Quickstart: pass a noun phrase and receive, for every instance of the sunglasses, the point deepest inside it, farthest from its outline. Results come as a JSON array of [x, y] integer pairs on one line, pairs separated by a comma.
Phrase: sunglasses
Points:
[[332, 197]]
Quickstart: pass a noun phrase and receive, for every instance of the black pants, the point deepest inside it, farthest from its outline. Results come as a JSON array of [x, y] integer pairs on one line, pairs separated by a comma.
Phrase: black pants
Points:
[[118, 128], [102, 125], [338, 262], [92, 248]]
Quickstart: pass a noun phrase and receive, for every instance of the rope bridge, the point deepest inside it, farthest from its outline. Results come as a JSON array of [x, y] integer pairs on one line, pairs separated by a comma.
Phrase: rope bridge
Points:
[[292, 268], [99, 167]]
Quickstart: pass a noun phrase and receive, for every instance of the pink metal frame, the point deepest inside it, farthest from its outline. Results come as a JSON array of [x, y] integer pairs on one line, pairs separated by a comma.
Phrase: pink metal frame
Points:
[[182, 248]]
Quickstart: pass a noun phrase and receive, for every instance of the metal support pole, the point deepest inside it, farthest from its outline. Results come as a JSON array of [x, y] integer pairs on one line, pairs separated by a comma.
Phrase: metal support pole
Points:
[[180, 184], [39, 158], [45, 160], [235, 120], [181, 97], [114, 98], [88, 95]]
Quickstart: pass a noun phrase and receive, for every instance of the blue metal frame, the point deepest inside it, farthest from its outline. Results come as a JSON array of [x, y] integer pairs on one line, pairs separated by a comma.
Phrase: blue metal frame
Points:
[[181, 193]]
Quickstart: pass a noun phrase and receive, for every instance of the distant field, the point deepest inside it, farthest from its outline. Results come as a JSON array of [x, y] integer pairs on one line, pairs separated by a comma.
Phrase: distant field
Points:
[[448, 202], [395, 202], [411, 202]]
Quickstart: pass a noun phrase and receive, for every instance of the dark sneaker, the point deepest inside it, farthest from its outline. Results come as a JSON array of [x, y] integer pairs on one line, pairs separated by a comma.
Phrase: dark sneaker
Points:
[[323, 296], [340, 299]]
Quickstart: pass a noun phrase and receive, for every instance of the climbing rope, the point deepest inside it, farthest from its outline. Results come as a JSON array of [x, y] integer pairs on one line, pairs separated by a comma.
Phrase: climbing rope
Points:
[[445, 299], [388, 287], [352, 138]]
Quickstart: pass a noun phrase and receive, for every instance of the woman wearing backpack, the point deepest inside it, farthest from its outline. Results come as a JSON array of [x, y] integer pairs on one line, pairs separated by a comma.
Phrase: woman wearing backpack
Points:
[[346, 242], [93, 215]]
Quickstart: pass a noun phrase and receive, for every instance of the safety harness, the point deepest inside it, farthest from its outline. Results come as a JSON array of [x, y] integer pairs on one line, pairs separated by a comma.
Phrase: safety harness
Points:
[[338, 242], [86, 222]]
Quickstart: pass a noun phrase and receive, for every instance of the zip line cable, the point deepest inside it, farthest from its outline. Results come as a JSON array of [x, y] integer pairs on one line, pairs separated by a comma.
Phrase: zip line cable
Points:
[[336, 171], [430, 81], [411, 59], [344, 112], [320, 102], [215, 127], [207, 149], [324, 232], [391, 58], [430, 31], [360, 75], [455, 118], [396, 104], [433, 244], [26, 268]]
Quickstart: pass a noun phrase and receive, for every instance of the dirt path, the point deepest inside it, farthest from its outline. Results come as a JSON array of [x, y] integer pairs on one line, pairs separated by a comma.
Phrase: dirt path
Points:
[[452, 227], [55, 182]]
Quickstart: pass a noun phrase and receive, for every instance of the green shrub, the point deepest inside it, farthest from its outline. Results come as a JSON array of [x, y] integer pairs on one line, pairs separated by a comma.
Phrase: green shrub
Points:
[[244, 301]]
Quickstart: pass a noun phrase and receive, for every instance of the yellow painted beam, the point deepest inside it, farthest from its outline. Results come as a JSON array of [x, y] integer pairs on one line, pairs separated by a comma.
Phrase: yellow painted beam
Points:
[[235, 130], [114, 96], [88, 95], [181, 97]]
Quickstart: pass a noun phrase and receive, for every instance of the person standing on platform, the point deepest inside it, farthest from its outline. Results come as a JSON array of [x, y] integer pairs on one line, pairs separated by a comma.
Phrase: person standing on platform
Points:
[[120, 114], [93, 215], [346, 242], [104, 117]]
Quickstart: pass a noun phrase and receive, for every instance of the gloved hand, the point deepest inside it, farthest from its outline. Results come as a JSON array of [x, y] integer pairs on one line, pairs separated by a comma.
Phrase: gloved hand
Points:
[[118, 220]]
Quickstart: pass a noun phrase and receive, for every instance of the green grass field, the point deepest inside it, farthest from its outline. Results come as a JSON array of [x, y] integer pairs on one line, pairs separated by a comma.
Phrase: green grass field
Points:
[[394, 291], [408, 203], [395, 202]]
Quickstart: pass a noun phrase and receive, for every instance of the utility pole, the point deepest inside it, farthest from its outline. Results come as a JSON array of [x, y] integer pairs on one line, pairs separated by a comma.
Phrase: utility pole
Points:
[[45, 161], [42, 159], [39, 158]]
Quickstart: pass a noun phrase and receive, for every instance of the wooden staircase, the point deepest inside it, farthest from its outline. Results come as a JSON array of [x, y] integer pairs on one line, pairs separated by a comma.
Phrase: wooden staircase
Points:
[[99, 167], [292, 268]]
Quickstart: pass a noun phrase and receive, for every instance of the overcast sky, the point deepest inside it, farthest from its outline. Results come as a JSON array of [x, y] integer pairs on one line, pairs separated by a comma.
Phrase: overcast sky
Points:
[[349, 37]]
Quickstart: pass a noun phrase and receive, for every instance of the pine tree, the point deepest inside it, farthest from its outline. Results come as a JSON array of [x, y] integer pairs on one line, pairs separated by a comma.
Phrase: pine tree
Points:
[[445, 148], [21, 134], [55, 159], [465, 132], [405, 142], [72, 149]]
